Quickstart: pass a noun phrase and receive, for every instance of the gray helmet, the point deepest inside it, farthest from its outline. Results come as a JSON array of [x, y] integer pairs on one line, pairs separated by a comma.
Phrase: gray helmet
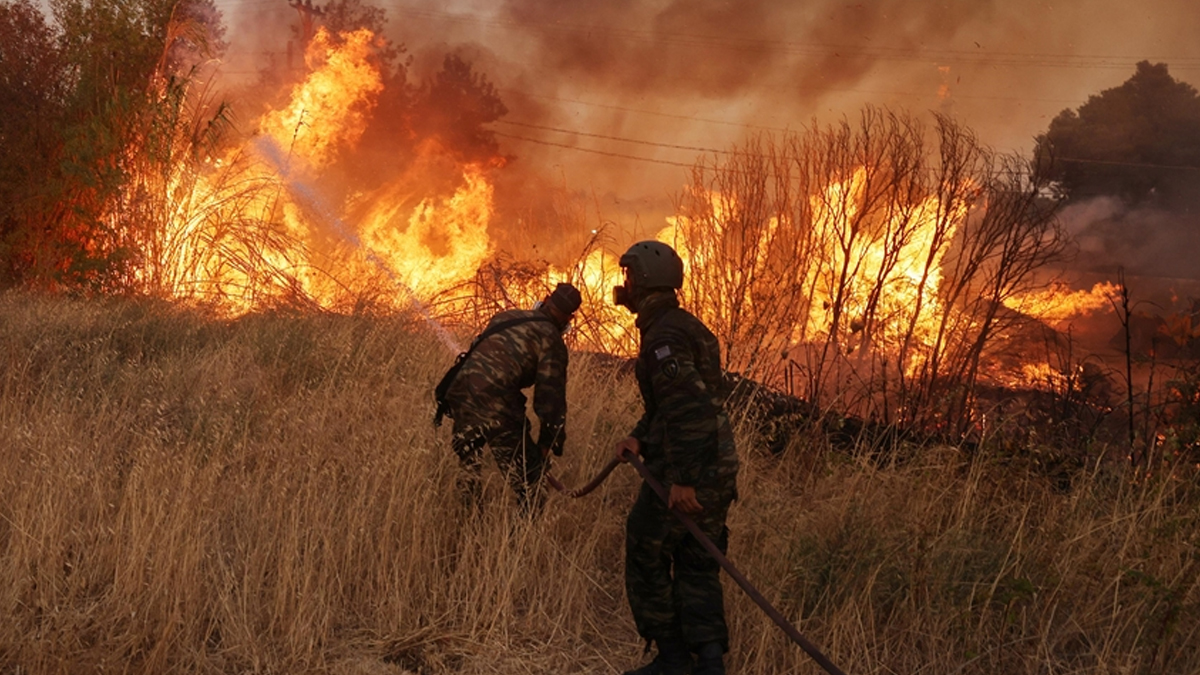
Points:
[[653, 264]]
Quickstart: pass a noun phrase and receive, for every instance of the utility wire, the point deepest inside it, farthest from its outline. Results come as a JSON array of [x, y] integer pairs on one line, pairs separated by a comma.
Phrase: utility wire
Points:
[[671, 146], [714, 151], [595, 152], [772, 175], [715, 168], [617, 138]]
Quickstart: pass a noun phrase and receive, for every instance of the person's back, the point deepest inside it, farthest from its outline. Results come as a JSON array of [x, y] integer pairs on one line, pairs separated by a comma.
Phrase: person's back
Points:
[[518, 349], [487, 392]]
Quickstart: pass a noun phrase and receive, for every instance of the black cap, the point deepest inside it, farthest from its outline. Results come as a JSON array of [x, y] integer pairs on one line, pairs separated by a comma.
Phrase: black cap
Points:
[[565, 298]]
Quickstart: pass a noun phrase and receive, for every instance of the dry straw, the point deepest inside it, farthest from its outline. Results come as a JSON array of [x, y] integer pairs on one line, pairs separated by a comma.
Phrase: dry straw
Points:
[[182, 494]]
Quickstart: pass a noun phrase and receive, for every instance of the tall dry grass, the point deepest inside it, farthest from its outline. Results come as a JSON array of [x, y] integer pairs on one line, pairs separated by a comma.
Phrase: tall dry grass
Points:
[[180, 494]]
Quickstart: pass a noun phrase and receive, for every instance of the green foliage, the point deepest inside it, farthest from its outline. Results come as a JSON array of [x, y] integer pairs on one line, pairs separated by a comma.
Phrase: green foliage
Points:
[[107, 131], [33, 89], [84, 103], [111, 45], [1127, 140]]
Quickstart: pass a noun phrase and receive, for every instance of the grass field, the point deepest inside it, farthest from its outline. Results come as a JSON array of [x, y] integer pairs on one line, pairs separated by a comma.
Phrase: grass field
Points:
[[268, 495]]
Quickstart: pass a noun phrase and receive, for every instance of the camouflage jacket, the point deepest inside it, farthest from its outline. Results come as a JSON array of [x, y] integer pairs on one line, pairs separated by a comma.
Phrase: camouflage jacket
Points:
[[685, 434], [487, 392]]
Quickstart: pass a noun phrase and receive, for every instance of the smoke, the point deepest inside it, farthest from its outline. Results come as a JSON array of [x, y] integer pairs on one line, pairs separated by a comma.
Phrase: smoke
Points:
[[1147, 242], [716, 48], [634, 77], [605, 97]]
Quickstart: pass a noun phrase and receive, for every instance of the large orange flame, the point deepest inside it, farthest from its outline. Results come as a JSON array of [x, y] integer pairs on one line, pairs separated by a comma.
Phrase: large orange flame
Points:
[[1057, 303], [329, 110], [247, 229], [251, 227]]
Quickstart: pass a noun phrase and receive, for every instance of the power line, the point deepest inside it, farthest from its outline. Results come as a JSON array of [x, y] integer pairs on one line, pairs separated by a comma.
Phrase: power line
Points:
[[616, 138], [594, 152], [692, 118], [1080, 160], [671, 146]]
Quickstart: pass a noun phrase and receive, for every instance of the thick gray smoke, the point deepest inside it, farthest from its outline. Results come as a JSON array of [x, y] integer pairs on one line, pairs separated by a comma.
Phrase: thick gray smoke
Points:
[[717, 48], [1146, 242]]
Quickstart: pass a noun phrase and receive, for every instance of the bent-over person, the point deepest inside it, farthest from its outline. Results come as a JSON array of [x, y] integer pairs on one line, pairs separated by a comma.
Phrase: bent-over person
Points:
[[518, 349]]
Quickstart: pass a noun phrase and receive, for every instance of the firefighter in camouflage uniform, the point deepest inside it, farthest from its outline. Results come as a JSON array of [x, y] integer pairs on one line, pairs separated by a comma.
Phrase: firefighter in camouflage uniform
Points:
[[518, 349], [684, 438]]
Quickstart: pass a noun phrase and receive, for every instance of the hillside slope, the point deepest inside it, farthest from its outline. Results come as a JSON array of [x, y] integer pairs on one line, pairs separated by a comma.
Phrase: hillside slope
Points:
[[185, 494]]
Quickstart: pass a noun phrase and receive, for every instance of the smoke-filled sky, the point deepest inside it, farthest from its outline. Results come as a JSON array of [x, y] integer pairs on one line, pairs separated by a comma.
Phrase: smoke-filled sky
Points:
[[705, 73]]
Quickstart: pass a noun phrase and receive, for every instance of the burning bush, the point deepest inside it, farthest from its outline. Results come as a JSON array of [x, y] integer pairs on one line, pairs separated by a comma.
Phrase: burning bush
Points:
[[860, 266], [864, 268]]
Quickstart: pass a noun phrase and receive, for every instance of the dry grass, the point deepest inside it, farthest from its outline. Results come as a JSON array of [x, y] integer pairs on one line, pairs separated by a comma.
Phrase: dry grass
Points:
[[179, 494]]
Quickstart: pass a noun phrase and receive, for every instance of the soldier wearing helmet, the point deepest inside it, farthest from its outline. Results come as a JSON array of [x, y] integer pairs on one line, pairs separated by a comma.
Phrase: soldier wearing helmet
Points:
[[684, 438], [518, 349]]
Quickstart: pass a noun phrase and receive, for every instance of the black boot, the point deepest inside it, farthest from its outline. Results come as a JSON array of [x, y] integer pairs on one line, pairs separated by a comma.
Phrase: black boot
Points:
[[710, 659], [673, 658]]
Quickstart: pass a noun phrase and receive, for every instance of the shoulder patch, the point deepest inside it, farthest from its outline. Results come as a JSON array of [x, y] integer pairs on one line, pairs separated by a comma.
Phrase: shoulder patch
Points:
[[663, 352], [670, 369]]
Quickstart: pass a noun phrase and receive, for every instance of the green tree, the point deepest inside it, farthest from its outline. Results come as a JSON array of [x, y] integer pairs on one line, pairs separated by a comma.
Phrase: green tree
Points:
[[33, 88], [82, 101], [1128, 141]]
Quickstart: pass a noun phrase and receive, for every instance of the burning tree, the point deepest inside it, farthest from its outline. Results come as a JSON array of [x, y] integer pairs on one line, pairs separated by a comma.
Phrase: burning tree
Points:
[[105, 83], [864, 267]]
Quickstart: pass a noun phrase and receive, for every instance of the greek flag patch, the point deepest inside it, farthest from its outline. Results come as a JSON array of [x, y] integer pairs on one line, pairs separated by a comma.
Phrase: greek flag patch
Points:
[[662, 352]]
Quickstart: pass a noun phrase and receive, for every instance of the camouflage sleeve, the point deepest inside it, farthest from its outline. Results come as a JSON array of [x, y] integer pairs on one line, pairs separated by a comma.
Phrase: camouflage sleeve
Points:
[[550, 396], [642, 428], [685, 408]]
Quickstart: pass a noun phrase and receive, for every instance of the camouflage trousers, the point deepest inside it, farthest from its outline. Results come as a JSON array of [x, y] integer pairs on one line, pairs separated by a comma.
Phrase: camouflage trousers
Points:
[[673, 584], [516, 453]]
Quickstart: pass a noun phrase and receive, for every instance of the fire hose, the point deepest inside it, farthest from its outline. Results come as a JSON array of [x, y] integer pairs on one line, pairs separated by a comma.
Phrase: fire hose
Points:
[[758, 598]]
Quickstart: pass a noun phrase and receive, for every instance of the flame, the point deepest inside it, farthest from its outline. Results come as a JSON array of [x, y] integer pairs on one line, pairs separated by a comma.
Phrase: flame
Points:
[[1042, 376], [329, 110], [909, 283], [943, 91], [442, 242], [883, 271], [1057, 304], [250, 227]]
